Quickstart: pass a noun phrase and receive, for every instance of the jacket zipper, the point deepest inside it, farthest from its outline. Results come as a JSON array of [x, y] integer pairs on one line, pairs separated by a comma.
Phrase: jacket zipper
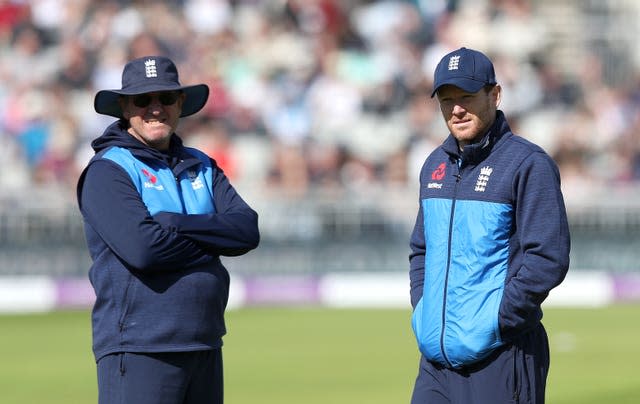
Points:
[[446, 278]]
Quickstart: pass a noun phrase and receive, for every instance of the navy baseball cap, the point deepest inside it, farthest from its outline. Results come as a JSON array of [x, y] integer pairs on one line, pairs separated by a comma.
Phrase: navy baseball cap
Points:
[[464, 68], [151, 74]]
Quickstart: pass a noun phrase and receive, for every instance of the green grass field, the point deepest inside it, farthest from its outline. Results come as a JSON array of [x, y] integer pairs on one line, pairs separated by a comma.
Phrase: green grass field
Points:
[[312, 355]]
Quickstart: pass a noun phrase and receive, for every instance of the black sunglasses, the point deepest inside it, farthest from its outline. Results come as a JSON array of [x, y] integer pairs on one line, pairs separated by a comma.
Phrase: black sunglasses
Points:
[[165, 98]]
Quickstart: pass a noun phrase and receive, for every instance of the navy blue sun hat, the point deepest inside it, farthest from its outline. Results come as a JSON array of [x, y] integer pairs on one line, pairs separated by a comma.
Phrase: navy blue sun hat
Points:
[[464, 68], [147, 75]]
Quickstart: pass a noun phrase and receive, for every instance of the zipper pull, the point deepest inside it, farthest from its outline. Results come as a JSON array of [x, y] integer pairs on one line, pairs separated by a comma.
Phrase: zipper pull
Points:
[[459, 165]]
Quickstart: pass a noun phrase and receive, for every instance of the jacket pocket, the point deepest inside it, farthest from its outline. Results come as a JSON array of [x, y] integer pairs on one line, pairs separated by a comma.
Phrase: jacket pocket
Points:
[[127, 297], [471, 330], [426, 323]]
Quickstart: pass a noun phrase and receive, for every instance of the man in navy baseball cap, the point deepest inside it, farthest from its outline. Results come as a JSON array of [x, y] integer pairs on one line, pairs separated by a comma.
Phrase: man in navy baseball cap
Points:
[[465, 68], [490, 241]]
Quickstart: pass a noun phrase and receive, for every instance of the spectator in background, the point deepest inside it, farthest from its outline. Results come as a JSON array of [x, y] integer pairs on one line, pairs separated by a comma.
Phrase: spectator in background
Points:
[[491, 239], [333, 69], [158, 216]]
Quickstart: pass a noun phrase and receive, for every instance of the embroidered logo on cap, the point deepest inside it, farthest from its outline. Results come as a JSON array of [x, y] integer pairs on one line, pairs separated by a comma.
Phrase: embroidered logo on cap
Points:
[[150, 68], [454, 61]]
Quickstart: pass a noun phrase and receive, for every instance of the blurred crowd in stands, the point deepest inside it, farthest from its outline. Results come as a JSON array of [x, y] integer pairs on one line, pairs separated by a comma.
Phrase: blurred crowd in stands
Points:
[[306, 95]]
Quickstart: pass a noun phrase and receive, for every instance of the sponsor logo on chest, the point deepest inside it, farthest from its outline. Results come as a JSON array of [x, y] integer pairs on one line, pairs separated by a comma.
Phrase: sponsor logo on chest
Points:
[[152, 181], [437, 175]]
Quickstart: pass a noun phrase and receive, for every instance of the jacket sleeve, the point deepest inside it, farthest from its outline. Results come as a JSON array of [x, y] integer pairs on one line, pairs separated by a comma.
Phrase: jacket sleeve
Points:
[[418, 249], [112, 206], [543, 233], [231, 231], [416, 259]]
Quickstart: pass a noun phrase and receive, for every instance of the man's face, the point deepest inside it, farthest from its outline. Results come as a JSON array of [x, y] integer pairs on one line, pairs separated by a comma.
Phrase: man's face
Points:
[[468, 115], [153, 116]]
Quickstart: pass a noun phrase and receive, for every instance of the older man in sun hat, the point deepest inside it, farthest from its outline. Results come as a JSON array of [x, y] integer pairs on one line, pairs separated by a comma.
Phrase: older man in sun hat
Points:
[[158, 216]]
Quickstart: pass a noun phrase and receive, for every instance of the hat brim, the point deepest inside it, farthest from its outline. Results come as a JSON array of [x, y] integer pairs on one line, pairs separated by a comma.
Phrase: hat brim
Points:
[[106, 101], [465, 84]]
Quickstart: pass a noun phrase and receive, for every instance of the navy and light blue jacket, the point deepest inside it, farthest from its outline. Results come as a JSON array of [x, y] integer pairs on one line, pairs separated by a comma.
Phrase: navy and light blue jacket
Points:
[[156, 225], [491, 240]]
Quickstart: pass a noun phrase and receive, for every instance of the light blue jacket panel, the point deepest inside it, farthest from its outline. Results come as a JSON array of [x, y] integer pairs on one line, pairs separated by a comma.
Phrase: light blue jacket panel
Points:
[[464, 296], [192, 193]]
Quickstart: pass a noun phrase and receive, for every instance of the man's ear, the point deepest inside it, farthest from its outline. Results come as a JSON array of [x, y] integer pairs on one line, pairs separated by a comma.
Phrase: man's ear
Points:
[[496, 92]]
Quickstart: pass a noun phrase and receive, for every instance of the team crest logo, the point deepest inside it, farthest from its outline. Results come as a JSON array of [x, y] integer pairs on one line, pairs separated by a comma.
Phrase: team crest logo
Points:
[[150, 68], [454, 61], [483, 179], [196, 182]]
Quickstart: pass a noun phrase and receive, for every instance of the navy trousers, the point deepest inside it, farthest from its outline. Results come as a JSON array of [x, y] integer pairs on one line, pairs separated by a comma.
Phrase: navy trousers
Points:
[[515, 373], [161, 378]]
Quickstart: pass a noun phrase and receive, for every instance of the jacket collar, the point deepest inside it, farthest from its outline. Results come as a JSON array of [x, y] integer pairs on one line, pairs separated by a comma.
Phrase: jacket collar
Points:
[[116, 135]]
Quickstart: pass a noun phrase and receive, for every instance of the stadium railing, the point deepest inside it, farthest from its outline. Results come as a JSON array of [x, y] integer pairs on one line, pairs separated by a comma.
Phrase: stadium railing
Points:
[[352, 232]]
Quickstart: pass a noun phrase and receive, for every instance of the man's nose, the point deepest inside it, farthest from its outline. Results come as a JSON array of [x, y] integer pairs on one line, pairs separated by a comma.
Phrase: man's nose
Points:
[[458, 109]]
